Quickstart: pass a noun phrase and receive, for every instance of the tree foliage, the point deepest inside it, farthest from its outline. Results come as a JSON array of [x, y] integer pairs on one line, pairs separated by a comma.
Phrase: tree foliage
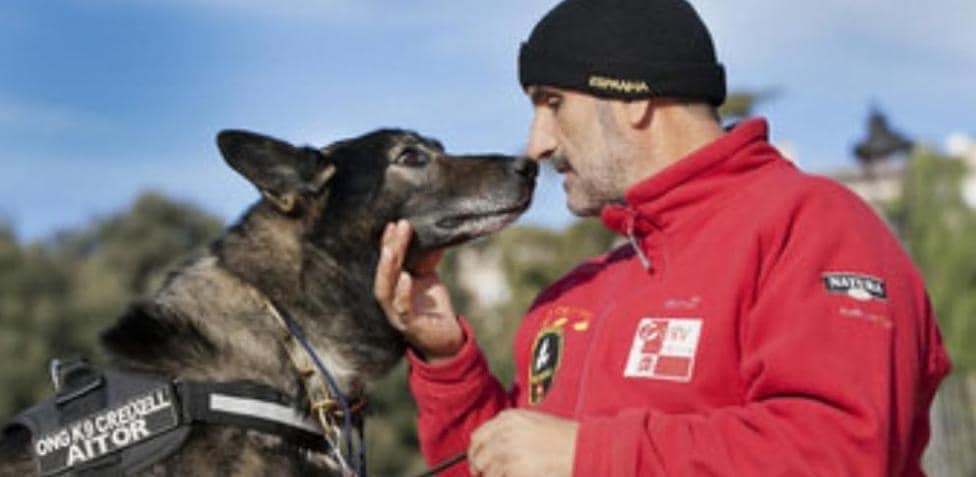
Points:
[[56, 295], [739, 105], [936, 225]]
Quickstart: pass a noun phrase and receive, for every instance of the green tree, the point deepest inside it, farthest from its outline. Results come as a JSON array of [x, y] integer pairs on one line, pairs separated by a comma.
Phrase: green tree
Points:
[[57, 295], [937, 225], [32, 315], [741, 104]]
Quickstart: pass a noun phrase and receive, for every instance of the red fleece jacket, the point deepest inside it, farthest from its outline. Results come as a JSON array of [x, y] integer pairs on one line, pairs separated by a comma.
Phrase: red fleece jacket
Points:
[[769, 325]]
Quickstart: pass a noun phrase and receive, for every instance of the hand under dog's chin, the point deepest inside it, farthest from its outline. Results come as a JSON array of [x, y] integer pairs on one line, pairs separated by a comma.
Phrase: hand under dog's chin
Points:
[[416, 258], [451, 231], [423, 247]]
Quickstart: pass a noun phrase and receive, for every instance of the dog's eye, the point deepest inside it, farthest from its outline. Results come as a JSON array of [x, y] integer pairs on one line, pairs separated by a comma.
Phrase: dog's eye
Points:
[[412, 158]]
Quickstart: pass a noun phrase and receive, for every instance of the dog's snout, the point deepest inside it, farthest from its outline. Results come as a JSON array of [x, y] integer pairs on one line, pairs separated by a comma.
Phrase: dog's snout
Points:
[[525, 167]]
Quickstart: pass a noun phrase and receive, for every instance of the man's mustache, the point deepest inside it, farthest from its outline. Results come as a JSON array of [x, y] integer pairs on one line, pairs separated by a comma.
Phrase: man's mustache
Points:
[[560, 163]]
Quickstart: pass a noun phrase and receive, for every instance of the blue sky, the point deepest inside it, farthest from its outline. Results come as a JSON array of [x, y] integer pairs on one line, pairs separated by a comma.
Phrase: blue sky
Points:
[[102, 99]]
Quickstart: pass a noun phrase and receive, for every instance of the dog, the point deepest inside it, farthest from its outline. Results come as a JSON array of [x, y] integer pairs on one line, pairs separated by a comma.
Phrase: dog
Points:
[[305, 256]]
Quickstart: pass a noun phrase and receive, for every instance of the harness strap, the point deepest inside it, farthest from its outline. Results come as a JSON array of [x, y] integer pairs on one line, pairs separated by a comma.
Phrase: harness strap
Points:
[[115, 422], [250, 406], [328, 403]]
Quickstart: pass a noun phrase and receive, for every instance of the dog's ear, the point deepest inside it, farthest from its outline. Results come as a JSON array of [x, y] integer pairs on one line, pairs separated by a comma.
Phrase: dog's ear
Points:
[[282, 172]]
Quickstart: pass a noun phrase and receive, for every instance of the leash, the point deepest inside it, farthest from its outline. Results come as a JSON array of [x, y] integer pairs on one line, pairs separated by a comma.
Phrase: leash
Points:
[[321, 407], [295, 331], [443, 465]]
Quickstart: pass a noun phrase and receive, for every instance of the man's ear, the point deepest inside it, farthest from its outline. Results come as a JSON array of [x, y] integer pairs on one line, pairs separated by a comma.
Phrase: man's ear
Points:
[[639, 113], [282, 172]]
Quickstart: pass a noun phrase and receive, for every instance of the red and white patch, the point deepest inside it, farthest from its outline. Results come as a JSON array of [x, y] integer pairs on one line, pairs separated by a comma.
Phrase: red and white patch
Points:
[[664, 348]]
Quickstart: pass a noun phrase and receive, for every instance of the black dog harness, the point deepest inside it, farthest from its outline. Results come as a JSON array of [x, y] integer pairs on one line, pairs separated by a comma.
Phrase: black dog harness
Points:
[[110, 422]]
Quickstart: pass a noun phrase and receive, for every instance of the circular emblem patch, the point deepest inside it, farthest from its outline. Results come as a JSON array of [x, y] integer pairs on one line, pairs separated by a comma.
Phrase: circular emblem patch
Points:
[[546, 353]]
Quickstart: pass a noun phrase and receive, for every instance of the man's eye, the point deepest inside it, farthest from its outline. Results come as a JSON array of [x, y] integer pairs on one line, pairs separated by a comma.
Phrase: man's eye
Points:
[[553, 101], [412, 158]]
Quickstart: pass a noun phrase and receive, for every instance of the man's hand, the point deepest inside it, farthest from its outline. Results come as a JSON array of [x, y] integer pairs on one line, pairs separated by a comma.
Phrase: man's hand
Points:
[[418, 304], [519, 442]]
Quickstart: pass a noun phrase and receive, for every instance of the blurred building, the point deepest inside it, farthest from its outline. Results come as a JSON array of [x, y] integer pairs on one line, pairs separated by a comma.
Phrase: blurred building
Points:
[[883, 154], [881, 187], [883, 182], [482, 277], [881, 158], [963, 146]]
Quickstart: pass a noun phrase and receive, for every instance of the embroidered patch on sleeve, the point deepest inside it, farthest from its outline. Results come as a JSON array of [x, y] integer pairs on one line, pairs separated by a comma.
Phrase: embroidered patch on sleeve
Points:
[[664, 348], [857, 286], [546, 353]]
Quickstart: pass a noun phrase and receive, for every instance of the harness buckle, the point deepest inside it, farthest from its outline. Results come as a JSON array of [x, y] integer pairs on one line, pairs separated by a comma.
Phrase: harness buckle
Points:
[[54, 370], [73, 377]]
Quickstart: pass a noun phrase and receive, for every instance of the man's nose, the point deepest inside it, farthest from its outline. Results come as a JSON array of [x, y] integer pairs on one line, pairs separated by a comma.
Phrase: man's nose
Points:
[[542, 143]]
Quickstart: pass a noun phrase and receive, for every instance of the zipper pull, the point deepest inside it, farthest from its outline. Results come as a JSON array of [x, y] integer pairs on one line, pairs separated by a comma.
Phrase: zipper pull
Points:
[[644, 261]]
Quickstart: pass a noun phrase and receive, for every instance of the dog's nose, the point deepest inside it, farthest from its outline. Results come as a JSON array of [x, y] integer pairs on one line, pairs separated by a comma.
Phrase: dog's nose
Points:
[[525, 167]]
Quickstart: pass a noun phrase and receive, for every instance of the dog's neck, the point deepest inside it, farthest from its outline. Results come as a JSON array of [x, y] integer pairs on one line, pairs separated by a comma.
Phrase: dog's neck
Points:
[[329, 294], [280, 254]]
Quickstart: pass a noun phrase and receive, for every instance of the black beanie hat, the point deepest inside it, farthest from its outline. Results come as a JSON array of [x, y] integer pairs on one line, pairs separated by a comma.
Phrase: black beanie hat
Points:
[[624, 49]]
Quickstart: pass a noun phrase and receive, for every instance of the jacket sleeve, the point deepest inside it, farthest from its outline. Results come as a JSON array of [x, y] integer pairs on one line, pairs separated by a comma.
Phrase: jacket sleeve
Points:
[[835, 385], [453, 399]]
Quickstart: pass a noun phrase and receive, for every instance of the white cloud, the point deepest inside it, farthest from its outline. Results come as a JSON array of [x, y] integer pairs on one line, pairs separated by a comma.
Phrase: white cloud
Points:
[[960, 144]]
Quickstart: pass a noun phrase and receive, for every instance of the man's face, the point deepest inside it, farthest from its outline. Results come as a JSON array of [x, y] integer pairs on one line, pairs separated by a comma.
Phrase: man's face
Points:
[[582, 138]]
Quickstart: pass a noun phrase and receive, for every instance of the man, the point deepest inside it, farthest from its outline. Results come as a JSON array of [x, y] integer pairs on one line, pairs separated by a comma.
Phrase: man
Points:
[[759, 321]]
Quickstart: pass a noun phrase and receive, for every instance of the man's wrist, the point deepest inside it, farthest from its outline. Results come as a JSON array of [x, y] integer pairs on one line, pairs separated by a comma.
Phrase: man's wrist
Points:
[[438, 361], [440, 357], [448, 367]]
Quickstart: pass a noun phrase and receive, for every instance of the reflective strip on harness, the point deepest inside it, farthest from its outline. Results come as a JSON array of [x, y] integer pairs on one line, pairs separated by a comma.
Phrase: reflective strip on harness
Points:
[[107, 431], [266, 410]]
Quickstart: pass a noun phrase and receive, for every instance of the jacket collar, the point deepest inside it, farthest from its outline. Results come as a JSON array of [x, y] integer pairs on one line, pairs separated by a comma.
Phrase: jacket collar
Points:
[[695, 182]]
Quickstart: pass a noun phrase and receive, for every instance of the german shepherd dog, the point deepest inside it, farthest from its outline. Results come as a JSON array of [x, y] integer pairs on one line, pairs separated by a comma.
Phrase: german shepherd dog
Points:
[[310, 247]]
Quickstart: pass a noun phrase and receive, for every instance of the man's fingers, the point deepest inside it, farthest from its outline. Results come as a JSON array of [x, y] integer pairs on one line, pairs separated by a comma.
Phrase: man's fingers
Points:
[[481, 439], [387, 234], [386, 271], [490, 431], [489, 461], [477, 459], [391, 286], [383, 281], [402, 306], [399, 240], [402, 232], [475, 449]]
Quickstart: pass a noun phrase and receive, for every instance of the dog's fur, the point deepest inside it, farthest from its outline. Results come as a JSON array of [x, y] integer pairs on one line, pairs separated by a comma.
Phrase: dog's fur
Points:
[[311, 246]]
